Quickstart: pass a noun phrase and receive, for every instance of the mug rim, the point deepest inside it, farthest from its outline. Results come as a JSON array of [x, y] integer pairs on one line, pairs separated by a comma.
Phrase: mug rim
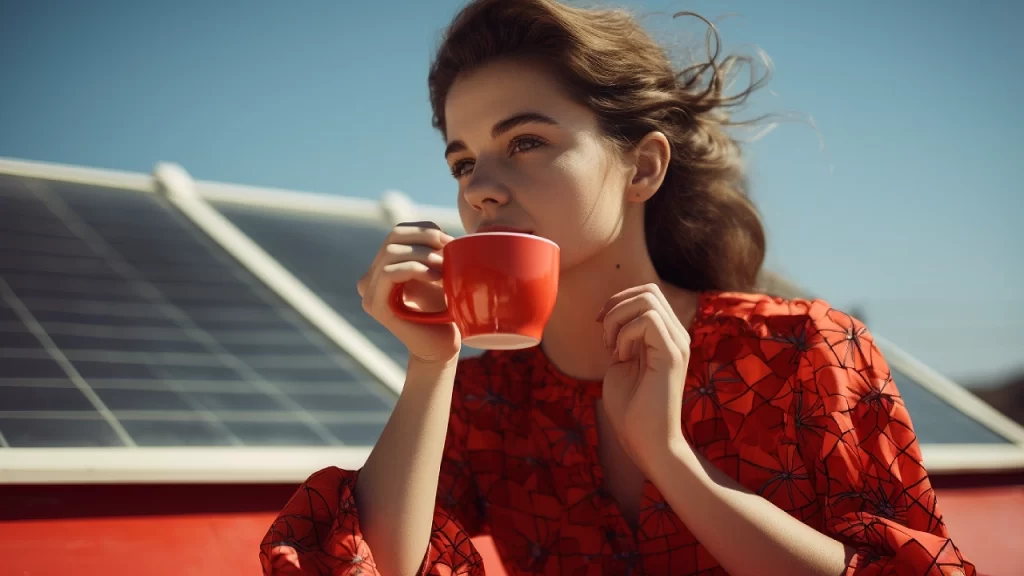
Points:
[[521, 234]]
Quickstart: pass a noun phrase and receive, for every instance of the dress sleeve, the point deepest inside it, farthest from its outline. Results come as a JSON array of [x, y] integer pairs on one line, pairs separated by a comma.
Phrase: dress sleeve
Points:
[[868, 472], [317, 532]]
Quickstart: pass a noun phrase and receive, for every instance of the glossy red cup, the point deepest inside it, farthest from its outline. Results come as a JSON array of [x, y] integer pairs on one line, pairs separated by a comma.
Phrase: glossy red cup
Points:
[[500, 288]]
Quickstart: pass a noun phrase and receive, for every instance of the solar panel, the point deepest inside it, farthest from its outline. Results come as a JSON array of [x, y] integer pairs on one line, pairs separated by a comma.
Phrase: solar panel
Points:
[[328, 254], [938, 422], [123, 324]]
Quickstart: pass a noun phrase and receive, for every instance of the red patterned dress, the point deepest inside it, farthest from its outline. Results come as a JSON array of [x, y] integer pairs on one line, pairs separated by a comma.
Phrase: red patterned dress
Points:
[[790, 398]]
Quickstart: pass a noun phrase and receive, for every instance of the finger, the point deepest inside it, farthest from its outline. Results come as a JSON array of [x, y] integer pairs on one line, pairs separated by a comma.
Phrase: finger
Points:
[[425, 233], [679, 333], [413, 234], [398, 273], [405, 272], [625, 295], [649, 331], [627, 310], [624, 312], [394, 253]]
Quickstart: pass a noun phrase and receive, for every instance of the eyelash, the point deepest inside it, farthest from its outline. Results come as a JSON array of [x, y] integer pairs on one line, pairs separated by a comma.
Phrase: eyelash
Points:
[[514, 146]]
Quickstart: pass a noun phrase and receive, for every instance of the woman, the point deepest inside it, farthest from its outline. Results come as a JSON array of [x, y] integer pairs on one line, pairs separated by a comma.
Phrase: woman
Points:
[[671, 422]]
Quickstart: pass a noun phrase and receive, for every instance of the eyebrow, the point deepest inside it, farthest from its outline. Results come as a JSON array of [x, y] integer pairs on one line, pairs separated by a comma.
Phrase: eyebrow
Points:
[[503, 127]]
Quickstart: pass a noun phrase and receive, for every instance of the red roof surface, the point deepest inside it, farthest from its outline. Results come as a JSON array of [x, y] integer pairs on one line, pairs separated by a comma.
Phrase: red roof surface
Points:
[[215, 529]]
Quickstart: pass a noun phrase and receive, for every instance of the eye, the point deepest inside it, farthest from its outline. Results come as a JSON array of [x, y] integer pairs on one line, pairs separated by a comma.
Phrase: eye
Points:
[[462, 168], [524, 144]]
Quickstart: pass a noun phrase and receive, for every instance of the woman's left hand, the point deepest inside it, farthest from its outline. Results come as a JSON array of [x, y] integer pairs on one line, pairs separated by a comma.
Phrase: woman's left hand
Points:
[[643, 387]]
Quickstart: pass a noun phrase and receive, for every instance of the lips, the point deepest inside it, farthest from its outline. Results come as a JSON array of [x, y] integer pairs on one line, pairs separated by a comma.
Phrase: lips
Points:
[[502, 228]]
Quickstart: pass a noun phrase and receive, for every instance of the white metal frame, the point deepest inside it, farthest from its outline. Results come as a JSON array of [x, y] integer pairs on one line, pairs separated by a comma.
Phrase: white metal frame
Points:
[[180, 190], [240, 464], [198, 199], [951, 392], [77, 174]]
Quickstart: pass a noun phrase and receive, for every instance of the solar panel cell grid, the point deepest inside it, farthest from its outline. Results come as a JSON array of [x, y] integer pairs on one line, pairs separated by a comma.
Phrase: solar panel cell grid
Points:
[[121, 324], [328, 254]]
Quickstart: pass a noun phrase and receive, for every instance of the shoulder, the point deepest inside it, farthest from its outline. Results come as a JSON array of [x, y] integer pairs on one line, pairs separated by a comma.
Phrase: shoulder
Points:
[[732, 315], [824, 347], [833, 354], [801, 322]]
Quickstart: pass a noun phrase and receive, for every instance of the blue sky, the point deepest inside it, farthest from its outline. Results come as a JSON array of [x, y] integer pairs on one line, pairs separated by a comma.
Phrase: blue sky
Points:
[[904, 202]]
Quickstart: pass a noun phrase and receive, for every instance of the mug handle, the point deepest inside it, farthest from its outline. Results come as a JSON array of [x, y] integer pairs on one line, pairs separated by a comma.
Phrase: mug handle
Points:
[[402, 311]]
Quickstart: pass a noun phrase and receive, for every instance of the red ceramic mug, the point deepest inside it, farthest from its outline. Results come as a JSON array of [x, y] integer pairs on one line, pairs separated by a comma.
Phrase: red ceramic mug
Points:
[[500, 288]]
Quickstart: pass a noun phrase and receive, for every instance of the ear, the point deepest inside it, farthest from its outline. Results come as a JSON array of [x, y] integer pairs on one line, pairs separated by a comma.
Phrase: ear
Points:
[[650, 160]]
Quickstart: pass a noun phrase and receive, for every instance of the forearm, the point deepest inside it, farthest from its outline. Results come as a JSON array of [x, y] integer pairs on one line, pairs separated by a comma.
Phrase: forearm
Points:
[[747, 534], [397, 486]]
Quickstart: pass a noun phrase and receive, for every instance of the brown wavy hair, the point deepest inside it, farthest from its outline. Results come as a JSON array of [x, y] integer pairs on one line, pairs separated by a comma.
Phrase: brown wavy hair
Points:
[[702, 230]]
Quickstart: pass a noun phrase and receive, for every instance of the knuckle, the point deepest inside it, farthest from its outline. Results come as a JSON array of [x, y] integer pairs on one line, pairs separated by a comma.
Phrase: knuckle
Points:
[[436, 236], [651, 316]]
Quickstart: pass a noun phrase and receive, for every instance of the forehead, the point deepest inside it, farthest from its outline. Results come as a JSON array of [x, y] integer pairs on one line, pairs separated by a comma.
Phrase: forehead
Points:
[[501, 89]]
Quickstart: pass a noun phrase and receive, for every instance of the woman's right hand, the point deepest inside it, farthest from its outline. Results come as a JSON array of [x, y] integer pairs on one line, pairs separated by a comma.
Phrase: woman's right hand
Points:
[[412, 254]]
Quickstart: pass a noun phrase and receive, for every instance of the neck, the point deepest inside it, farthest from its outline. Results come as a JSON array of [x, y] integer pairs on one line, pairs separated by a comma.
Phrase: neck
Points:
[[573, 339]]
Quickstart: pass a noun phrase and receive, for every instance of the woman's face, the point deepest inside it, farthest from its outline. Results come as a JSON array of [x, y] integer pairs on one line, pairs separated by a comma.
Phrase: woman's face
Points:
[[526, 157]]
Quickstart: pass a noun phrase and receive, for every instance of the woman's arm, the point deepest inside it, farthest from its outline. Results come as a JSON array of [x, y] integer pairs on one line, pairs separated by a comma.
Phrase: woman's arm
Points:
[[879, 514], [747, 534], [396, 488], [643, 398], [878, 510]]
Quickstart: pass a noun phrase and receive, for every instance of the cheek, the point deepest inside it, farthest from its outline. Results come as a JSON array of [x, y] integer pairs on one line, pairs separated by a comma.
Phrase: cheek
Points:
[[588, 214]]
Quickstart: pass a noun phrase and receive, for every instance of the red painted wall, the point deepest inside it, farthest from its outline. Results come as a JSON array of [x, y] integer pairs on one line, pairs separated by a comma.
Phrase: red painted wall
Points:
[[177, 530], [152, 530]]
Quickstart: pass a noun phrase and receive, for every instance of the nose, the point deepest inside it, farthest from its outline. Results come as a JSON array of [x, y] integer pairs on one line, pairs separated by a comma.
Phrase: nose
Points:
[[484, 191]]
